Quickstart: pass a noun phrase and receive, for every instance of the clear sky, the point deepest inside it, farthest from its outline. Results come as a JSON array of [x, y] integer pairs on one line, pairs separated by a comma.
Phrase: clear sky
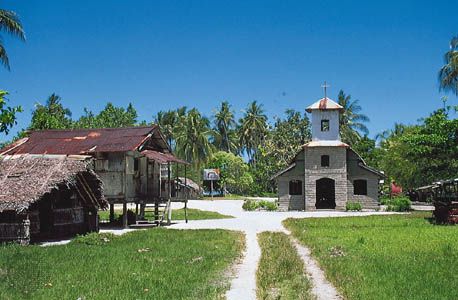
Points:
[[165, 54]]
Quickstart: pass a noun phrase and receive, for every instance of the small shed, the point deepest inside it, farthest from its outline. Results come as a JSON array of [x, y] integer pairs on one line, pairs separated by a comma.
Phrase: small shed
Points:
[[48, 196]]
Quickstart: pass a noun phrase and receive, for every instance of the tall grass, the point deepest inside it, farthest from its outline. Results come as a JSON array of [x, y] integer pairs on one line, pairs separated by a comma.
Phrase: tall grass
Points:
[[150, 264], [384, 257], [280, 273]]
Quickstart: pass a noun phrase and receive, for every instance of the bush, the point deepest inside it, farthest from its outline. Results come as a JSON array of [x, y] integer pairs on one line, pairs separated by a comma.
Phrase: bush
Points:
[[250, 205], [399, 204], [353, 206], [384, 200], [268, 205]]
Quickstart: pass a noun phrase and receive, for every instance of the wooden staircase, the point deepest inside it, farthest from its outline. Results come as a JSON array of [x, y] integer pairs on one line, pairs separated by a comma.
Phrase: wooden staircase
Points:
[[153, 217]]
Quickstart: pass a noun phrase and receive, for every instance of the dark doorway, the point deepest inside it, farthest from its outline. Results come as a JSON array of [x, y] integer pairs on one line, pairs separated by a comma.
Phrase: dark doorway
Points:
[[325, 194]]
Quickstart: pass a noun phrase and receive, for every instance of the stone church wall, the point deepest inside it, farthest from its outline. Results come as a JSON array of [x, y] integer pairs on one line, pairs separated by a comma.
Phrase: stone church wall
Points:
[[336, 171], [355, 172], [287, 201]]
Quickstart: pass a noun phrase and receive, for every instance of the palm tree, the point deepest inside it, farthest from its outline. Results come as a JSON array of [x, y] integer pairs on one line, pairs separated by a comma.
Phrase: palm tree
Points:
[[252, 130], [9, 23], [167, 121], [192, 137], [448, 74], [351, 120], [224, 123]]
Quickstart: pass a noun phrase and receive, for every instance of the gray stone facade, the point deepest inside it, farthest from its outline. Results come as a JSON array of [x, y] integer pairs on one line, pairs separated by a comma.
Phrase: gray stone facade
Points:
[[329, 172]]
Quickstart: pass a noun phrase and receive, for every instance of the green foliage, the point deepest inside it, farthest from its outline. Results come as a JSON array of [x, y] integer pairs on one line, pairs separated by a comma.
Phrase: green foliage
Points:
[[448, 74], [168, 120], [421, 154], [52, 115], [7, 113], [400, 204], [252, 130], [9, 23], [234, 172], [225, 138], [280, 146], [110, 117], [280, 273], [353, 206], [251, 205], [192, 135], [384, 257], [351, 120]]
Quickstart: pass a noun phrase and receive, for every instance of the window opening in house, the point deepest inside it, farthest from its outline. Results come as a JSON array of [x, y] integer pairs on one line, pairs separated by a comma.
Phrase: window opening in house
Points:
[[324, 125], [360, 187], [295, 187], [325, 160]]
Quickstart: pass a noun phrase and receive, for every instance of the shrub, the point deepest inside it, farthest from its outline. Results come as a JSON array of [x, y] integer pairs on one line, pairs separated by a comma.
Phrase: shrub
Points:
[[353, 206], [268, 205], [384, 200], [399, 204], [249, 205]]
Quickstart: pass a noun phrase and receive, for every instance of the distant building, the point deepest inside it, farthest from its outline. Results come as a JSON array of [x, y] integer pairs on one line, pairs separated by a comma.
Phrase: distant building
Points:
[[47, 197], [327, 173], [133, 163]]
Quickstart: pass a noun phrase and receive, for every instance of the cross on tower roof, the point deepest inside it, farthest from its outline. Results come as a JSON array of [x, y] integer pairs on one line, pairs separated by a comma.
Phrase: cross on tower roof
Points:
[[325, 86]]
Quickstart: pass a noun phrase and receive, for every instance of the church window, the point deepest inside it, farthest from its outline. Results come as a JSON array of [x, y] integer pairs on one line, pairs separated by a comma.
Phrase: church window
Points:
[[325, 160], [324, 125], [295, 187], [360, 187]]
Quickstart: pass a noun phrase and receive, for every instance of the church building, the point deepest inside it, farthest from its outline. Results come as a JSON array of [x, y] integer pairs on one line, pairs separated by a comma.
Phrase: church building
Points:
[[327, 173]]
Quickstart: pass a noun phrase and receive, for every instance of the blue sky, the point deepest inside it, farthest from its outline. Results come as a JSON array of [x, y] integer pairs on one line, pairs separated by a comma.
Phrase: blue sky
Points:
[[164, 54]]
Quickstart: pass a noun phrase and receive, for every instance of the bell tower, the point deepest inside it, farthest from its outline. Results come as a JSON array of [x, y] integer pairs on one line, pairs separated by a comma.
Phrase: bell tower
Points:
[[325, 119]]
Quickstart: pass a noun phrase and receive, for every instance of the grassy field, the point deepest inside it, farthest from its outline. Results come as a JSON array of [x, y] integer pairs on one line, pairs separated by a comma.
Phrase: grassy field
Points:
[[280, 273], [147, 264], [177, 214], [384, 257]]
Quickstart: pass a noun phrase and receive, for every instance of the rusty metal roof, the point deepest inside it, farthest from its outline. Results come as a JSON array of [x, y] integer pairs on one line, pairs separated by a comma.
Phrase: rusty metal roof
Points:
[[324, 104], [332, 143], [81, 141], [162, 158]]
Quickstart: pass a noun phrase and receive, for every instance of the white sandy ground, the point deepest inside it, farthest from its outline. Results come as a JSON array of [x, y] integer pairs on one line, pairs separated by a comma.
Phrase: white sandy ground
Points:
[[243, 286]]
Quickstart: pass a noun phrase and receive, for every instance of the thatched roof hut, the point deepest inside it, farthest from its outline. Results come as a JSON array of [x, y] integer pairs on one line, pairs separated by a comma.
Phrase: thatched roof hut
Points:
[[48, 196], [25, 179]]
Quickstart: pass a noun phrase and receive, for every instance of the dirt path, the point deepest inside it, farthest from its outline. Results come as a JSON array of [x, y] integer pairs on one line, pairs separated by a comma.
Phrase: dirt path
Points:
[[321, 287], [243, 285]]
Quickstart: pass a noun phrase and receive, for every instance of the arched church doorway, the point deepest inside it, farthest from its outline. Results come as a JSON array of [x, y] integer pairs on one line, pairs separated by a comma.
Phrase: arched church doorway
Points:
[[325, 194]]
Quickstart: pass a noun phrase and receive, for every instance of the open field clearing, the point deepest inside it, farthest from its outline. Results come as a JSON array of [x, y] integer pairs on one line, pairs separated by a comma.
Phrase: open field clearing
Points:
[[280, 273], [384, 257], [147, 264]]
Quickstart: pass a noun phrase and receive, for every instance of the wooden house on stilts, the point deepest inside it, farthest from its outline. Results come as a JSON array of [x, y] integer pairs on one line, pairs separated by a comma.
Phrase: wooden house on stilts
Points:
[[135, 164]]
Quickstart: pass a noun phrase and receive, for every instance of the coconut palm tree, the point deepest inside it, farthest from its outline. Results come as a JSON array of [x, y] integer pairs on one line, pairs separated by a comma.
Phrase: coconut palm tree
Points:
[[167, 121], [224, 124], [351, 120], [448, 74], [9, 23], [192, 136], [252, 129]]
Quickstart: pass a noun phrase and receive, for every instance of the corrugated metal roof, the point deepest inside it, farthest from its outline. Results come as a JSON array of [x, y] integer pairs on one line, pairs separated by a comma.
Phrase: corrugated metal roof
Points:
[[324, 104], [163, 158], [81, 141]]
